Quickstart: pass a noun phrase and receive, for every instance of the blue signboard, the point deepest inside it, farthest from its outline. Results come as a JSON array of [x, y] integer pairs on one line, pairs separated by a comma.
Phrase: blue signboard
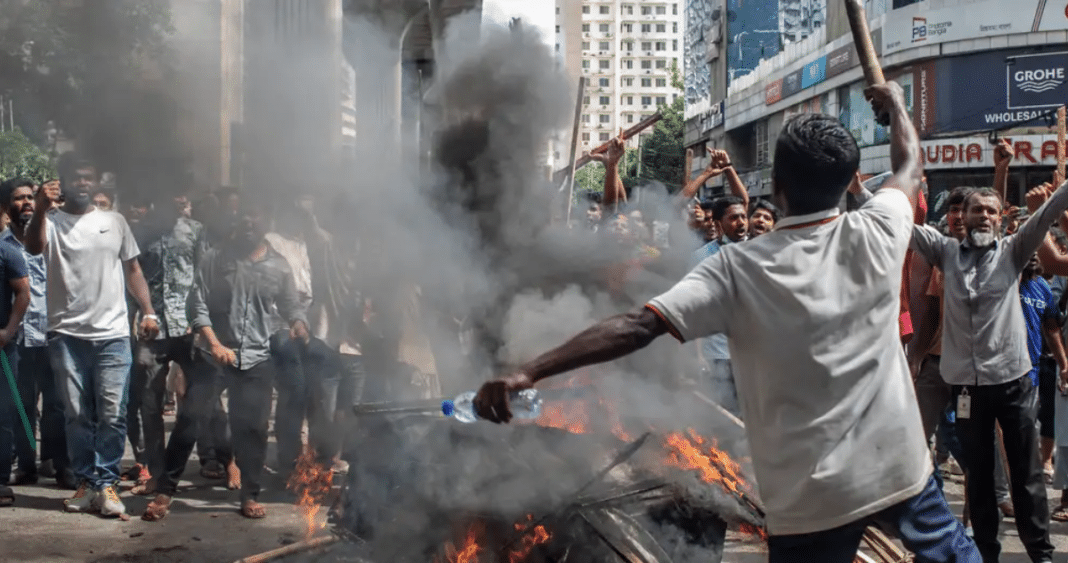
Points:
[[814, 72]]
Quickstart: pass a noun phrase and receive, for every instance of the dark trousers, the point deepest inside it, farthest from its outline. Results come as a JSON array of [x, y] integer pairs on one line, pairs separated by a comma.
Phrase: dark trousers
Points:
[[1013, 406], [249, 405], [213, 435], [308, 378], [152, 360], [10, 421], [924, 523], [1048, 374], [933, 395], [36, 378]]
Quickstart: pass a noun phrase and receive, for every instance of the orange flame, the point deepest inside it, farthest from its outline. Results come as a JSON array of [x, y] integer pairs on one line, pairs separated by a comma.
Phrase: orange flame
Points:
[[311, 481], [752, 532], [469, 552], [575, 415], [714, 467], [534, 536]]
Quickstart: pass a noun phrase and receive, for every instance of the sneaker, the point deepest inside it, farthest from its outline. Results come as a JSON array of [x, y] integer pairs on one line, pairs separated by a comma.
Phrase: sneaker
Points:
[[84, 499], [108, 502]]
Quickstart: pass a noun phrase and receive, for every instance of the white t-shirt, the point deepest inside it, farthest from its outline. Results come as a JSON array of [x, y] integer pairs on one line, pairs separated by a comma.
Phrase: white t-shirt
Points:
[[86, 283], [811, 312]]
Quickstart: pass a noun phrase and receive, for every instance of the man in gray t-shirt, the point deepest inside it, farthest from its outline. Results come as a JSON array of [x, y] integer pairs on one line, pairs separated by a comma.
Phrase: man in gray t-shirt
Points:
[[91, 259]]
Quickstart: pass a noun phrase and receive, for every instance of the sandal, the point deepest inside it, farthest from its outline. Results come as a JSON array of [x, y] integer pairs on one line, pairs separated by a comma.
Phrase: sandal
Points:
[[1060, 514], [7, 496], [144, 488], [253, 510], [213, 470], [157, 509], [233, 476]]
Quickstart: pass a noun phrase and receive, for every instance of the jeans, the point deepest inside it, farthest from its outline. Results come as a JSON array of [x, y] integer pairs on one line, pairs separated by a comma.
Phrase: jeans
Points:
[[93, 378], [36, 377], [307, 378], [1012, 405], [10, 421], [924, 523], [151, 364], [249, 393]]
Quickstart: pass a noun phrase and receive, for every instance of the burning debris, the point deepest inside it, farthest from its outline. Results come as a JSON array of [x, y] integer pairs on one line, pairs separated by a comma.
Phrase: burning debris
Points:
[[311, 482]]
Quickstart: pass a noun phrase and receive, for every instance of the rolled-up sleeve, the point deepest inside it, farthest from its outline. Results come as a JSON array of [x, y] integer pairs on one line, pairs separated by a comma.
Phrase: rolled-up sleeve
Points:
[[700, 304], [929, 243]]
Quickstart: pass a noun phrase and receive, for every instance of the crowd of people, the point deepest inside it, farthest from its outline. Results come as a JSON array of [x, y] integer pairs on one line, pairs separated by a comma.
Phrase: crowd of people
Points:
[[106, 315]]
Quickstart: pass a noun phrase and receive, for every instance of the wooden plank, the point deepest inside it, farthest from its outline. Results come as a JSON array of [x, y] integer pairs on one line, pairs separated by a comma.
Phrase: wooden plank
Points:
[[644, 124]]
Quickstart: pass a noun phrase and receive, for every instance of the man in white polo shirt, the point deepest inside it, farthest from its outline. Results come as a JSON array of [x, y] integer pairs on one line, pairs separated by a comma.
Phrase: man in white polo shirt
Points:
[[811, 311]]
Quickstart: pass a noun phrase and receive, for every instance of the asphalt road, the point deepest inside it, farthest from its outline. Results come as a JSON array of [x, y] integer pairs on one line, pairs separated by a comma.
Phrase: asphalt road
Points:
[[204, 526]]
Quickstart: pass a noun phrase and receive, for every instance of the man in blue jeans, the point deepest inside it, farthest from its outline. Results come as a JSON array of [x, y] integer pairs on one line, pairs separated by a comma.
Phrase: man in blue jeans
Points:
[[14, 299], [91, 257], [811, 313]]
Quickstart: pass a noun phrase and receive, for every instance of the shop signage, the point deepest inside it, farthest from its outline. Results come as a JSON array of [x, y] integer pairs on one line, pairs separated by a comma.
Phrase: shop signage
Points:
[[711, 118], [840, 60], [1037, 80], [791, 83], [814, 72], [773, 92], [977, 152]]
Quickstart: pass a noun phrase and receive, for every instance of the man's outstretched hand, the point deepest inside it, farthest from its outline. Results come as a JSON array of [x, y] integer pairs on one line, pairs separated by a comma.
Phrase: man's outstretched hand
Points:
[[491, 402], [1037, 196], [612, 156]]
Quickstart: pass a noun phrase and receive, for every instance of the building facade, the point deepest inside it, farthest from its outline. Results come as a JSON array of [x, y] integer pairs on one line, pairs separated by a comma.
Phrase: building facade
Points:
[[627, 50], [972, 70]]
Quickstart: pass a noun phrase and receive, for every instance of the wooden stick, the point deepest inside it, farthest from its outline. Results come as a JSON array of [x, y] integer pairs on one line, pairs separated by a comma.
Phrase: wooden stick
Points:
[[644, 124], [689, 168], [858, 24], [290, 549], [1062, 150], [574, 147]]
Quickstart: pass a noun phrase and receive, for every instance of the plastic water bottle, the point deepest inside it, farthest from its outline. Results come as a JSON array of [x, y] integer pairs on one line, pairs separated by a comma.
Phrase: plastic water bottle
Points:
[[523, 404]]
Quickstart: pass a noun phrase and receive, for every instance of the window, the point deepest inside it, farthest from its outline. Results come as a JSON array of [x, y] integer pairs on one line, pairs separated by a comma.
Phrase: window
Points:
[[646, 28], [760, 137], [674, 9], [605, 64], [647, 64], [629, 9], [647, 82], [585, 9], [585, 28], [647, 46], [627, 63], [646, 100], [646, 10], [661, 10], [661, 82], [604, 28], [626, 27], [629, 100], [605, 100], [585, 118], [674, 44], [586, 137], [558, 29], [604, 46], [630, 118], [585, 45], [674, 97], [628, 82], [661, 63], [603, 136], [558, 10], [585, 64], [605, 118], [661, 28], [605, 83], [585, 100], [629, 45], [661, 100], [661, 46], [557, 47], [675, 27], [605, 9]]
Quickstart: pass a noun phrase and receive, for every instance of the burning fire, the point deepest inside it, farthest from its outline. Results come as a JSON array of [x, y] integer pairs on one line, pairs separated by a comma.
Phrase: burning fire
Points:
[[533, 537], [469, 552], [715, 466], [311, 481], [752, 532], [574, 415]]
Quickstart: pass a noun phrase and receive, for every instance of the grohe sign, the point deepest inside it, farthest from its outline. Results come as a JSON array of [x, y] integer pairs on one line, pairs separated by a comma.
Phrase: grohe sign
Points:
[[1037, 81]]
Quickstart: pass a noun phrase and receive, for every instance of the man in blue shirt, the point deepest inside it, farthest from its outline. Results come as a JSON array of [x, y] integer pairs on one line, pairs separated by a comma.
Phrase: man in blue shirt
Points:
[[1041, 318]]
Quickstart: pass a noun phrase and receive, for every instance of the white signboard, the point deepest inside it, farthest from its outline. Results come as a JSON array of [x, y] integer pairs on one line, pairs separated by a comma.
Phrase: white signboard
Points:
[[928, 22], [977, 152]]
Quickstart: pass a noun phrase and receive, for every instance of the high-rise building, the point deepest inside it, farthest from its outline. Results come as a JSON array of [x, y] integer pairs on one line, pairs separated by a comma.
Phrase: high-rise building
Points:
[[627, 50]]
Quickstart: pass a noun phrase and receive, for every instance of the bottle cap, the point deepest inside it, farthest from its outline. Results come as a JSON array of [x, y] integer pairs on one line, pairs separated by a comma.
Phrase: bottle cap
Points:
[[448, 407]]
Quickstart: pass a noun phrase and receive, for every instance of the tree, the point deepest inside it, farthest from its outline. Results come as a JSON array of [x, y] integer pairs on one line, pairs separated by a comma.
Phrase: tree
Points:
[[20, 157], [662, 154]]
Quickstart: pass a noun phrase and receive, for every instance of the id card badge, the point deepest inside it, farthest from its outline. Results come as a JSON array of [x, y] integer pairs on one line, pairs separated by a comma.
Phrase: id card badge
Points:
[[964, 404]]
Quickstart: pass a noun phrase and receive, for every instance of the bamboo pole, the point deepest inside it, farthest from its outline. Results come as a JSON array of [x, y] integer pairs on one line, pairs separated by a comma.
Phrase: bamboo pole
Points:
[[306, 545], [1062, 150], [574, 147]]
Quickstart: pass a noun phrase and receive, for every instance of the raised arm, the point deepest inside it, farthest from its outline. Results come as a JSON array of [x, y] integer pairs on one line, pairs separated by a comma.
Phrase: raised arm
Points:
[[1045, 208], [1003, 155], [37, 231], [718, 163], [905, 160], [605, 341], [614, 191]]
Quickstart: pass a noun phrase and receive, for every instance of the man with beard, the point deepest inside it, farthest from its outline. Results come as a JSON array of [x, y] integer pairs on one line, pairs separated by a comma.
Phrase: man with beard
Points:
[[762, 217], [240, 286], [91, 257], [172, 248], [35, 374], [985, 358]]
